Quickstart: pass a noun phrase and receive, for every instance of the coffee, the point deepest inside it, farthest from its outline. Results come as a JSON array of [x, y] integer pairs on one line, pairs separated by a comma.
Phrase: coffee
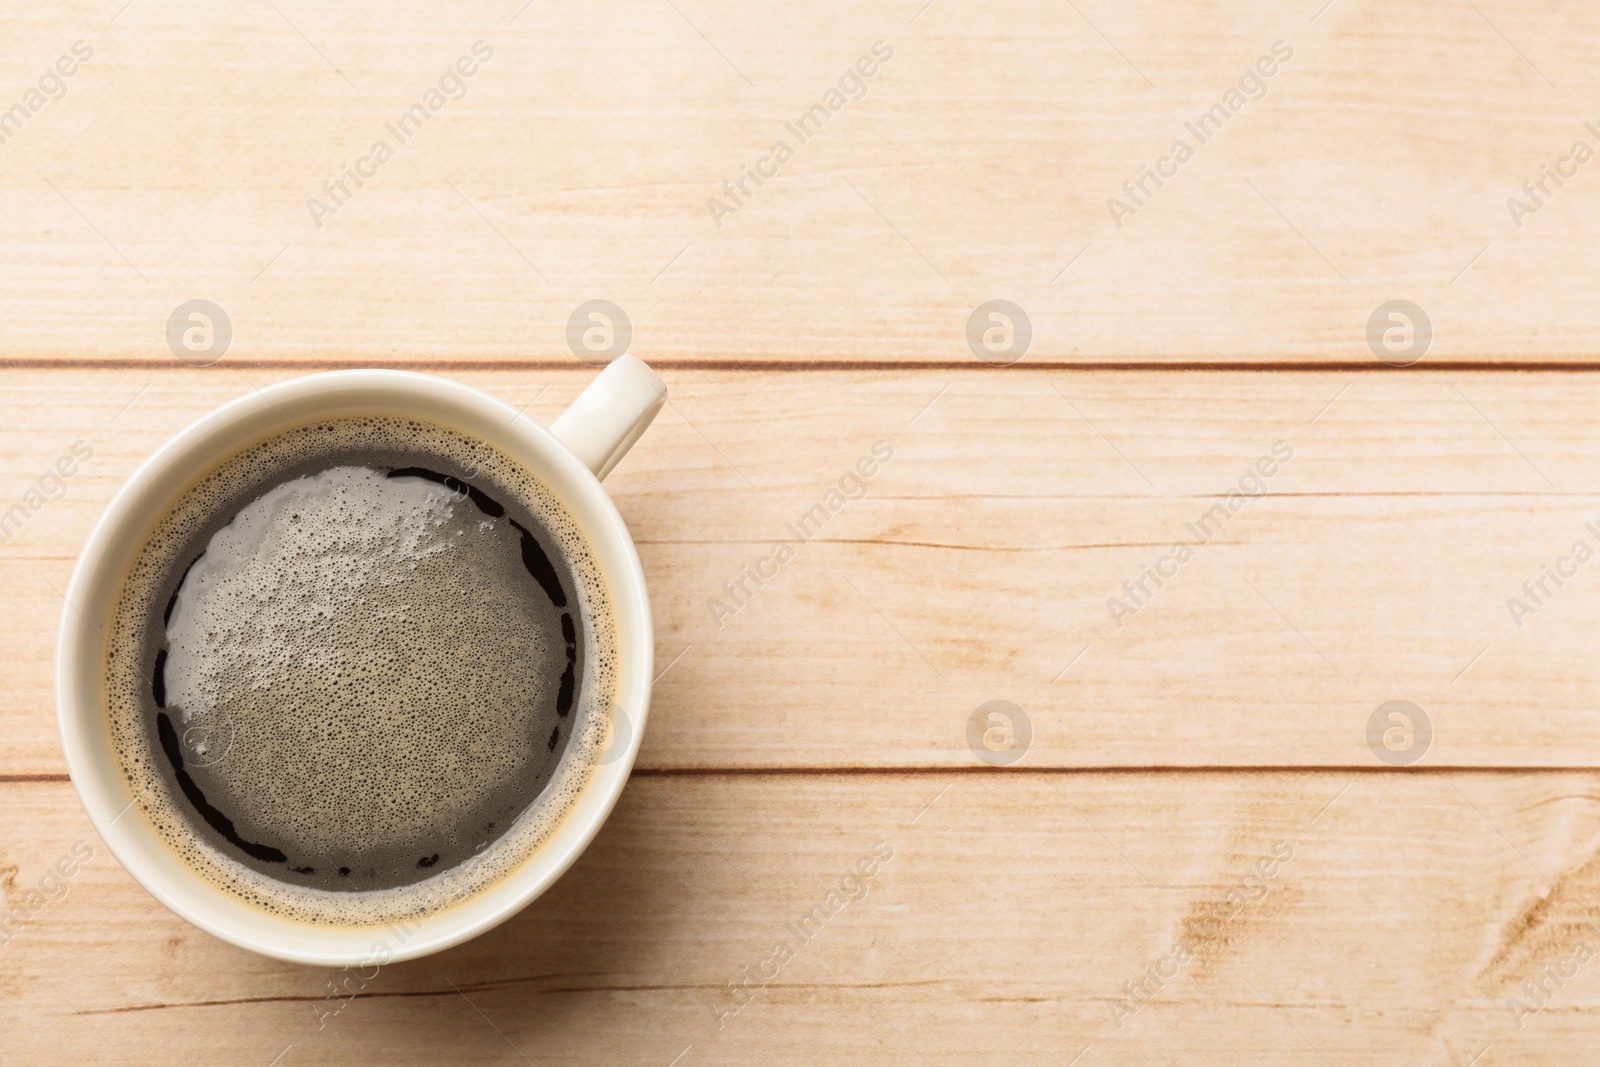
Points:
[[359, 670]]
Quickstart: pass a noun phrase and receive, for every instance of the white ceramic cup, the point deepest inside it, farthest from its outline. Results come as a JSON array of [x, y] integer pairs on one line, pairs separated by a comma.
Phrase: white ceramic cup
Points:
[[570, 457]]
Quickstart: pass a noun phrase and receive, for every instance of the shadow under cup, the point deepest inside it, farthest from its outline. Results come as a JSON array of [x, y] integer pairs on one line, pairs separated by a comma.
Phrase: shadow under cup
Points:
[[149, 494]]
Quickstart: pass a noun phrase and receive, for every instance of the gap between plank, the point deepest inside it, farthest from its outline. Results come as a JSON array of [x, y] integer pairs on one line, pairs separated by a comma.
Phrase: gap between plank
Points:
[[1154, 769], [1586, 364]]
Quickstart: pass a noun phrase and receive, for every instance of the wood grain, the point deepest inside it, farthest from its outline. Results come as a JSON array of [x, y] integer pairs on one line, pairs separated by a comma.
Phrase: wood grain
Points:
[[1423, 911], [979, 562], [978, 165], [1014, 910]]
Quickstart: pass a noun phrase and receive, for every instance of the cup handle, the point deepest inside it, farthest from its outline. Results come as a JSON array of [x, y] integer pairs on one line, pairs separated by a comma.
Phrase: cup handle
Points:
[[611, 414]]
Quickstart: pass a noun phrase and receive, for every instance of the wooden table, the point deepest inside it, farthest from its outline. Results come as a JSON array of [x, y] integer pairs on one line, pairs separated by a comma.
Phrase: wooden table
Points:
[[1202, 850]]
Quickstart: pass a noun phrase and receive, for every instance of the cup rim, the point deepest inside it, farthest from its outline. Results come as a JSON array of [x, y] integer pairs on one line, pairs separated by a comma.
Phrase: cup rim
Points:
[[150, 489]]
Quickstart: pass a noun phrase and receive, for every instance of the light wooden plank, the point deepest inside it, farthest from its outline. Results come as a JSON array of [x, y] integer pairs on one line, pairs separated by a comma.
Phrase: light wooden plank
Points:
[[979, 564], [1403, 917], [979, 164]]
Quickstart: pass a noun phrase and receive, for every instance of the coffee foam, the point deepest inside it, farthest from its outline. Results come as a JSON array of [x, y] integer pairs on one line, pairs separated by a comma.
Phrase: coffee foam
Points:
[[266, 598]]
